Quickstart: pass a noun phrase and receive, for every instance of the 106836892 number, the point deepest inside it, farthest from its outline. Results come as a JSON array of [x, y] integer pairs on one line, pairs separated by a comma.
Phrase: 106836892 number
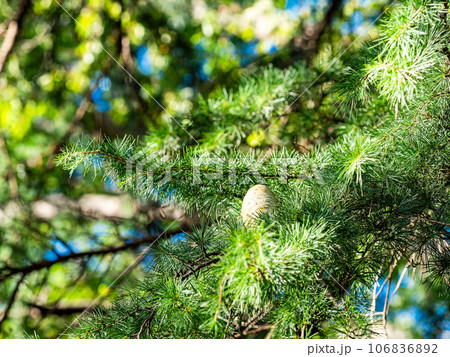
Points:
[[403, 348]]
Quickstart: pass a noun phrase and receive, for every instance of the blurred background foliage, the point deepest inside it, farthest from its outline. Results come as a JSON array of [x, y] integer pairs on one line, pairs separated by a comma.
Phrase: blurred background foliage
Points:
[[69, 245]]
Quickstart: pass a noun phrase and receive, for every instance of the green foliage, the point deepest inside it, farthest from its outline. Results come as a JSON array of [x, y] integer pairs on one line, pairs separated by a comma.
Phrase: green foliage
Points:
[[306, 270], [358, 163], [406, 62], [49, 83]]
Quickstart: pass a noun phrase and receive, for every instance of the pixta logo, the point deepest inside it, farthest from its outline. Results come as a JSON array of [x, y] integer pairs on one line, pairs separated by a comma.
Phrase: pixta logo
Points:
[[341, 350]]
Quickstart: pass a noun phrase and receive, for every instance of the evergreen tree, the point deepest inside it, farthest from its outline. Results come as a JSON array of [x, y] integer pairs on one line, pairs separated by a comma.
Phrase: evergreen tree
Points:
[[347, 213]]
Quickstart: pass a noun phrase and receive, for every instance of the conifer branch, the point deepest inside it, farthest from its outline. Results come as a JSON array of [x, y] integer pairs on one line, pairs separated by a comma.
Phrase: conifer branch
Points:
[[374, 196], [9, 271]]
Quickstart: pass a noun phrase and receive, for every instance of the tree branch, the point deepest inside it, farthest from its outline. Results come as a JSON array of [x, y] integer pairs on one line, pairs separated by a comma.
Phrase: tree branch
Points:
[[389, 279], [60, 311], [47, 263], [11, 301], [147, 323], [11, 33], [399, 282], [125, 52], [198, 267], [308, 44], [257, 329]]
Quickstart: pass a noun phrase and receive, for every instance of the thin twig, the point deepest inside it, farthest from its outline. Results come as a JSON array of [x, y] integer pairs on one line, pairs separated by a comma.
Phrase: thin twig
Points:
[[272, 330], [389, 279], [216, 315], [198, 267], [400, 279], [381, 289], [254, 331], [145, 323]]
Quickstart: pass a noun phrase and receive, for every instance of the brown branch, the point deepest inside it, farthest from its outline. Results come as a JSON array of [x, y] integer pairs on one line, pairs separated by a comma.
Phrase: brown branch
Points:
[[11, 33], [272, 330], [124, 50], [146, 322], [389, 279], [126, 53], [381, 289], [257, 329], [392, 261], [219, 302], [11, 301], [307, 45], [320, 28], [47, 263], [258, 316], [405, 269], [422, 218], [433, 221], [207, 255], [123, 43], [198, 267], [60, 311], [444, 15], [249, 326]]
